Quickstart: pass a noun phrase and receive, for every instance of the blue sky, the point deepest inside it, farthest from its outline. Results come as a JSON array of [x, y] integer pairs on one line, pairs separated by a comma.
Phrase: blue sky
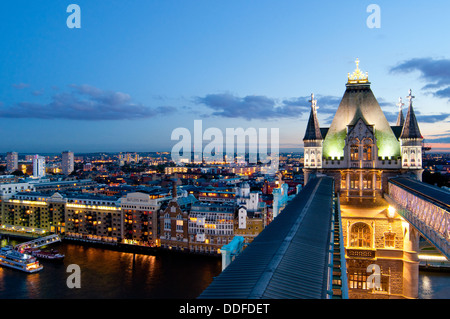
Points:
[[138, 69]]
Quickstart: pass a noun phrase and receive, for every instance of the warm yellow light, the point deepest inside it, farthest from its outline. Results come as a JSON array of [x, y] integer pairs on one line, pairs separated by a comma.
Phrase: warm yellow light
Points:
[[431, 257], [391, 212], [27, 202], [93, 206]]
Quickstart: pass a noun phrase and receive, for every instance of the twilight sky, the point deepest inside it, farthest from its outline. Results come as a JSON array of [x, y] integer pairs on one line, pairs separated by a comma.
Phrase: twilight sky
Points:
[[136, 70]]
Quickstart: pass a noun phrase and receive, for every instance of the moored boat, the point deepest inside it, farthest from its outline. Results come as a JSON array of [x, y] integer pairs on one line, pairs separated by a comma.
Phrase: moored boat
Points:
[[13, 259], [48, 255]]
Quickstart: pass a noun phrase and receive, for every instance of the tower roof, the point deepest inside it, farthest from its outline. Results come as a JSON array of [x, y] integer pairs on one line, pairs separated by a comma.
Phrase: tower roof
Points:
[[411, 127], [400, 118], [359, 102], [313, 129]]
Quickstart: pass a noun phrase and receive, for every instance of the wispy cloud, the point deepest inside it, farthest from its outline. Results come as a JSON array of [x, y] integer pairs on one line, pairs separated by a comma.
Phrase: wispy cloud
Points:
[[20, 86], [262, 107], [421, 118], [85, 102], [435, 72]]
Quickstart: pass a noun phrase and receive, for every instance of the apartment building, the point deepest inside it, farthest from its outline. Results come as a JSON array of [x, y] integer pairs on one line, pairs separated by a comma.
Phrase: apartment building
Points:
[[92, 217], [211, 226], [140, 216], [174, 221]]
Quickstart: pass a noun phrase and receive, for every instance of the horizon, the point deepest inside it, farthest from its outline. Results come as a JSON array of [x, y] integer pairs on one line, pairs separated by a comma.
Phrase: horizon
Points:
[[281, 150]]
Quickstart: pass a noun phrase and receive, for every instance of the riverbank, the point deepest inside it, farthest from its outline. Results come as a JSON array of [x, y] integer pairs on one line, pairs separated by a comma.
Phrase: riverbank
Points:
[[120, 247]]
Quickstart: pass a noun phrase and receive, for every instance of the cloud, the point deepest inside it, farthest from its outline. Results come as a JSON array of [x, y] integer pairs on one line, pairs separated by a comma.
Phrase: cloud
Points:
[[439, 140], [421, 118], [431, 118], [435, 72], [262, 107], [85, 102], [20, 86], [38, 92]]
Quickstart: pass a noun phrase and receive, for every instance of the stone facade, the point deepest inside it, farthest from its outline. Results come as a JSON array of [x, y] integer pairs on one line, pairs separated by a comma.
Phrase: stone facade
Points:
[[361, 151]]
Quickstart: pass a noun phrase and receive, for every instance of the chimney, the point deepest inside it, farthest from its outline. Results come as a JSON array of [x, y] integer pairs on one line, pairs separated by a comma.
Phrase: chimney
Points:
[[174, 189]]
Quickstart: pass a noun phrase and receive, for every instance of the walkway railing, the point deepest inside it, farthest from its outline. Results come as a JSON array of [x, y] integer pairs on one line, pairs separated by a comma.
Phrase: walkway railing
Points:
[[39, 242], [425, 207]]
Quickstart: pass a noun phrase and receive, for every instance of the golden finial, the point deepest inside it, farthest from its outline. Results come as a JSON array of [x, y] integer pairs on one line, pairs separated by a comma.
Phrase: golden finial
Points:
[[357, 76]]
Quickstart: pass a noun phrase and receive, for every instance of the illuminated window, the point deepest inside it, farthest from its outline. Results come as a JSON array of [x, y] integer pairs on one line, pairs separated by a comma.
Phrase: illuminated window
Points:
[[357, 280], [360, 236], [367, 153], [389, 240], [367, 181], [354, 181], [354, 153], [343, 182], [179, 224]]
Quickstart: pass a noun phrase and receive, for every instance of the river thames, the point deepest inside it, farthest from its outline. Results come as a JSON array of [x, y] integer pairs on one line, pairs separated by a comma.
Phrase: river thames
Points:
[[107, 274]]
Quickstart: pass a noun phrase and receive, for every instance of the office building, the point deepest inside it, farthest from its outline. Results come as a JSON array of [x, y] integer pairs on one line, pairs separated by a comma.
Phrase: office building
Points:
[[38, 166], [12, 161]]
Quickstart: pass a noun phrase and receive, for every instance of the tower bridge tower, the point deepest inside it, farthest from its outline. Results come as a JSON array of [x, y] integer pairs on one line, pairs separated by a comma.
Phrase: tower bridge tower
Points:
[[361, 151]]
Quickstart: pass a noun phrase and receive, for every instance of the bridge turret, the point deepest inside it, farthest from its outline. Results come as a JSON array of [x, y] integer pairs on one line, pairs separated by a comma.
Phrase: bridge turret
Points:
[[411, 142]]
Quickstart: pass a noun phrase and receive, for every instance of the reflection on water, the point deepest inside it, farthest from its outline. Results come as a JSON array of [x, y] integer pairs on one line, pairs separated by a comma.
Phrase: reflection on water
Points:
[[110, 274], [434, 285]]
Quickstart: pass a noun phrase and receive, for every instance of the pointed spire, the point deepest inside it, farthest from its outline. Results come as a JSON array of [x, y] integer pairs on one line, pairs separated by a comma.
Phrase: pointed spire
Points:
[[410, 127], [313, 129], [400, 118]]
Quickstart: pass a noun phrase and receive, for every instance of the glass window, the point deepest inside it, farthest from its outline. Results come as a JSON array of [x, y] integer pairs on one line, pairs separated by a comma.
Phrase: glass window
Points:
[[360, 236], [389, 240], [354, 153], [367, 153]]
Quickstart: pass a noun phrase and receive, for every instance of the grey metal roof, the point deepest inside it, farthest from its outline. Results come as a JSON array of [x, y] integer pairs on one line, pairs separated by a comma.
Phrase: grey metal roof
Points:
[[289, 257], [312, 128], [400, 119], [411, 127], [430, 192], [397, 130]]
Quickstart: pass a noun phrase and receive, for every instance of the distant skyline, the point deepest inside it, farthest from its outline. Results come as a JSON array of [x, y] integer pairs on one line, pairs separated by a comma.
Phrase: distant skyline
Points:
[[137, 70]]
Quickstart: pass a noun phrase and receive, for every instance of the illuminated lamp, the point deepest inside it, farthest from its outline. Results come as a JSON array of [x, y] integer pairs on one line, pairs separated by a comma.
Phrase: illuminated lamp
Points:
[[391, 212]]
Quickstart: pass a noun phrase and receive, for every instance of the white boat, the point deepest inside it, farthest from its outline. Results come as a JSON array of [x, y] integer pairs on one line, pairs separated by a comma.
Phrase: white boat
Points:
[[13, 259]]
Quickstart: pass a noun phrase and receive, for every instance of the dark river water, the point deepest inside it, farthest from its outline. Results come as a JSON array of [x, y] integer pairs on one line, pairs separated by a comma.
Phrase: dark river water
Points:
[[112, 274], [107, 274]]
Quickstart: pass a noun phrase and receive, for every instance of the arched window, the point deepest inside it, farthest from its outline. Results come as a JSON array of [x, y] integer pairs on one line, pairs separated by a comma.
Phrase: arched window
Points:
[[354, 152], [367, 153], [360, 236]]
